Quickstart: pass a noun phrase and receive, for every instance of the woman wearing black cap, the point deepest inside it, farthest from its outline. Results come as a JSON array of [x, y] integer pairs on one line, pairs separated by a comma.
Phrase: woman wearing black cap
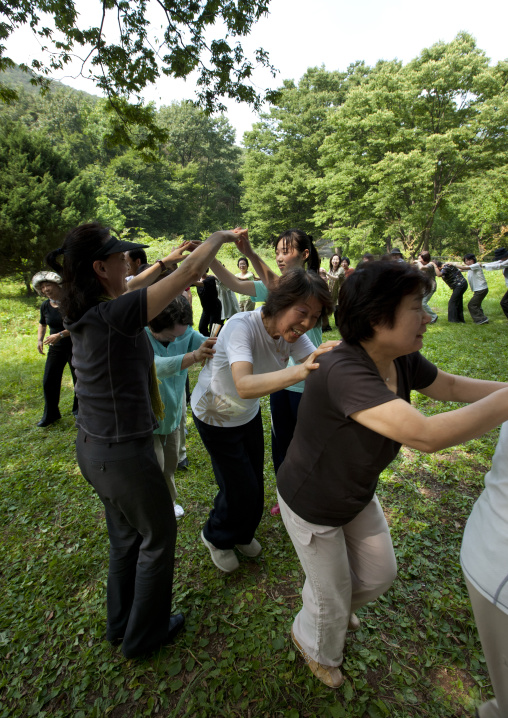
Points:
[[118, 399]]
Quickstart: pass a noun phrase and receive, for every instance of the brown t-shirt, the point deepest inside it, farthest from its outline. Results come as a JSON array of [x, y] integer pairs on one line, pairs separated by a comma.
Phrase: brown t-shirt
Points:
[[332, 466]]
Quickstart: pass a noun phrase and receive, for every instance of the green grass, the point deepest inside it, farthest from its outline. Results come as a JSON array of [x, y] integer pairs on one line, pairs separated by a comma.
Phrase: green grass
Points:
[[417, 653]]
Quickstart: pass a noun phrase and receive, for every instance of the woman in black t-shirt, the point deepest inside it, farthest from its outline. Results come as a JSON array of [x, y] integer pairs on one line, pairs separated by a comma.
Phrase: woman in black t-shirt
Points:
[[458, 284], [119, 400], [47, 284], [357, 407]]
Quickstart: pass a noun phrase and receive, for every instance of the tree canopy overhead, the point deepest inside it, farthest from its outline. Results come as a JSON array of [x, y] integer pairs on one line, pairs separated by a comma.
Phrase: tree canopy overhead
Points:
[[123, 62]]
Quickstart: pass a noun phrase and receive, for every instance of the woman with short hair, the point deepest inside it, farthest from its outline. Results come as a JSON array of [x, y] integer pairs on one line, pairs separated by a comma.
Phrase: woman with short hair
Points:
[[251, 361], [357, 406]]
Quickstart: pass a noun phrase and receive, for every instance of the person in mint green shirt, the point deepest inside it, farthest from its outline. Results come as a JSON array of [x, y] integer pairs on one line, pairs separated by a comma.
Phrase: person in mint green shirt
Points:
[[176, 346], [293, 248]]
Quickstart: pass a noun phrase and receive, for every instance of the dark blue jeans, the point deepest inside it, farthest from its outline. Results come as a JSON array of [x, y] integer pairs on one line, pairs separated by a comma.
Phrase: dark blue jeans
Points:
[[237, 455], [142, 535]]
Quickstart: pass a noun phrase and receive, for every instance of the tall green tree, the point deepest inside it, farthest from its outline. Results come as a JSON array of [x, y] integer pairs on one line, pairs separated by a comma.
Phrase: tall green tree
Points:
[[403, 139], [282, 151], [42, 194], [123, 65]]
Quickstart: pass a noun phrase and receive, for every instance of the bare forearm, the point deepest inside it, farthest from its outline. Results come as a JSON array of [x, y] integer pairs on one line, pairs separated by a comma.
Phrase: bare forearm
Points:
[[254, 386], [160, 294], [266, 275], [456, 427], [245, 286], [146, 278], [41, 332]]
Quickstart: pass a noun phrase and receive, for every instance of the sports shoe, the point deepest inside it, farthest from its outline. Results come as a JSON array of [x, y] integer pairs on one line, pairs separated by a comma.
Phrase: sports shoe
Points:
[[331, 676], [483, 321], [224, 559], [354, 622], [179, 512], [251, 549], [183, 465]]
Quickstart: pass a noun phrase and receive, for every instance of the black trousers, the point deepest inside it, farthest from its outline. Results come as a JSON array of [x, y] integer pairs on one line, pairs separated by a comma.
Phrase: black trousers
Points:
[[475, 306], [284, 409], [142, 534], [207, 320], [455, 303], [58, 356], [237, 455], [504, 304]]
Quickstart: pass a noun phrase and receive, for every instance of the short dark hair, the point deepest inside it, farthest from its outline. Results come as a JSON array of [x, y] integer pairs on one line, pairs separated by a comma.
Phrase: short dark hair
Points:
[[297, 285], [242, 259], [371, 295], [179, 311], [136, 254], [346, 259], [470, 256], [425, 255]]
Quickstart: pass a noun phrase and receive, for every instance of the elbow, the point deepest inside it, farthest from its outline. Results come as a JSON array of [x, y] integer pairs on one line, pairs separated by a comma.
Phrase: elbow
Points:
[[243, 393]]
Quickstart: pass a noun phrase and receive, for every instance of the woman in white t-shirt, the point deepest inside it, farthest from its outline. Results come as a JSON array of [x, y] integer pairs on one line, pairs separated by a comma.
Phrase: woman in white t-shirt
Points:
[[252, 354]]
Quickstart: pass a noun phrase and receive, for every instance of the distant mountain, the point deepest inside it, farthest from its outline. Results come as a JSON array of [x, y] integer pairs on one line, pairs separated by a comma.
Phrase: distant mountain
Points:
[[17, 79]]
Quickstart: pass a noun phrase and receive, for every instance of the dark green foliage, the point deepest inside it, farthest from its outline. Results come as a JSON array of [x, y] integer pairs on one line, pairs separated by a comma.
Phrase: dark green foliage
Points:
[[41, 195], [179, 43]]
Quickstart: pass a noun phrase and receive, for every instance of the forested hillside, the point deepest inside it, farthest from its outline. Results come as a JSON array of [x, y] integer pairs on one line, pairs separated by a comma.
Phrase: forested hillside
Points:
[[410, 155]]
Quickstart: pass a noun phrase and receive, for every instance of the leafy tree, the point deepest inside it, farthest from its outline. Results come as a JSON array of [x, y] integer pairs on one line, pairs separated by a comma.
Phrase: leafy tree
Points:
[[42, 195], [281, 159], [123, 66], [403, 139]]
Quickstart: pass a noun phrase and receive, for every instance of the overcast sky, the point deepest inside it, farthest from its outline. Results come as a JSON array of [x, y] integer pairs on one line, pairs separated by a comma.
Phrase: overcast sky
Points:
[[305, 33]]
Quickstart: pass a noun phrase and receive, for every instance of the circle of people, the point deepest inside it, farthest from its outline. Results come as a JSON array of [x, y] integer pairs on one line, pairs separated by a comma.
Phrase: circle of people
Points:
[[125, 329]]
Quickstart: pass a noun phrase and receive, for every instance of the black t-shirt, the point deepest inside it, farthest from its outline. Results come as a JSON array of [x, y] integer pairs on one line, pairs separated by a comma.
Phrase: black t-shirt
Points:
[[332, 466], [208, 296], [452, 276], [51, 317], [112, 356]]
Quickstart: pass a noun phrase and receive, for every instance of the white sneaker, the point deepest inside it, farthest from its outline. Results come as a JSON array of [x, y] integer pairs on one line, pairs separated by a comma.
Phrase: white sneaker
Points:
[[224, 559], [251, 549], [179, 512]]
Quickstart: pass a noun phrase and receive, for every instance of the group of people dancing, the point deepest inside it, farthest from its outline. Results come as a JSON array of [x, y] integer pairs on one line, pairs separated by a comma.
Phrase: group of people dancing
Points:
[[356, 404]]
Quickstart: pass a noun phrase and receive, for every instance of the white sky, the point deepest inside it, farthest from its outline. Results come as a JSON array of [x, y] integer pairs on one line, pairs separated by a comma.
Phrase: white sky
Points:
[[305, 33]]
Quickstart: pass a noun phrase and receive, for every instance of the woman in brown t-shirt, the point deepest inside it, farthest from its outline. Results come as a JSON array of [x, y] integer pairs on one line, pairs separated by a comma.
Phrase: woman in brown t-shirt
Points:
[[357, 406]]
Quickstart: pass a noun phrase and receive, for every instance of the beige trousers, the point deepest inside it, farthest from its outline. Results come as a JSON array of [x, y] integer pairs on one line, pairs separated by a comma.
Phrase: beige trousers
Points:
[[345, 568], [492, 624], [167, 448]]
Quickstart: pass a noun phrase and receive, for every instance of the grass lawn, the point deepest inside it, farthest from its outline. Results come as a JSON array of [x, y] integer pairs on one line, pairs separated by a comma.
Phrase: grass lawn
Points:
[[417, 653]]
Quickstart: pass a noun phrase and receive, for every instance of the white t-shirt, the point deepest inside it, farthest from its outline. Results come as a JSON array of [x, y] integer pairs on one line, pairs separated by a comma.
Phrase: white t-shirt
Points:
[[244, 338], [484, 552], [476, 278]]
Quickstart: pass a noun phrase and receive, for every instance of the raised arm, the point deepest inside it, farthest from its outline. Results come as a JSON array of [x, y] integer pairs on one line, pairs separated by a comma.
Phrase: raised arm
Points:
[[401, 422], [150, 274], [160, 294], [266, 275], [241, 286]]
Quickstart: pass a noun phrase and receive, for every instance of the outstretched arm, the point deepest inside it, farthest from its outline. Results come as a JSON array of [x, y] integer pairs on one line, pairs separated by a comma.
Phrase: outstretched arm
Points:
[[191, 270], [148, 277], [401, 422], [253, 386]]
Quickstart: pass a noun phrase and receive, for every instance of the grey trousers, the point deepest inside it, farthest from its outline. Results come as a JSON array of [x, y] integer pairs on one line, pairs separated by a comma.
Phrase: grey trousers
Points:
[[492, 624], [345, 568], [475, 306]]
